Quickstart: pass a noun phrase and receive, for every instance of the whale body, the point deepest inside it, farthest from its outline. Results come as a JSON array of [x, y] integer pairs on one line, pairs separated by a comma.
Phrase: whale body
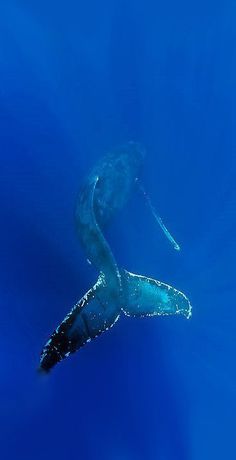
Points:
[[116, 291]]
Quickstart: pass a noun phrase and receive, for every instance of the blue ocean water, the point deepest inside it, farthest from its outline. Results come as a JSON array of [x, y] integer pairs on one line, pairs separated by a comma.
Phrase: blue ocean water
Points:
[[77, 79]]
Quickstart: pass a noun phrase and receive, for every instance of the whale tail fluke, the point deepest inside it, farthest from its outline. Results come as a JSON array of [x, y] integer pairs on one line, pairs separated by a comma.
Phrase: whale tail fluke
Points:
[[97, 311]]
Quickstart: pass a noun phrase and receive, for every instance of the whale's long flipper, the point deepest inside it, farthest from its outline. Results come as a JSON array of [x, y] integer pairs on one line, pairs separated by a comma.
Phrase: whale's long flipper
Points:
[[157, 218], [92, 315], [149, 297]]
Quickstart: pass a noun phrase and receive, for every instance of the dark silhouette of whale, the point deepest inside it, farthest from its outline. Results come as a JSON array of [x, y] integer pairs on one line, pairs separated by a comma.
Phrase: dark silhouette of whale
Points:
[[105, 192]]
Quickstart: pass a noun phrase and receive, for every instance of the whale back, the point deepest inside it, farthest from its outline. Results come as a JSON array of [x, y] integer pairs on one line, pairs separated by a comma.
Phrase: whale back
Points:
[[116, 175], [105, 191]]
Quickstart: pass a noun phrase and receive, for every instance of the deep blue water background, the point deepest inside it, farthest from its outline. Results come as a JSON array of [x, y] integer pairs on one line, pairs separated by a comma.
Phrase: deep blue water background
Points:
[[77, 79]]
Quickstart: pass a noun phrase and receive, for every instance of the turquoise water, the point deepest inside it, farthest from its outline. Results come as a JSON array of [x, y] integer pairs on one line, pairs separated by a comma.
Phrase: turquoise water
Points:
[[75, 81]]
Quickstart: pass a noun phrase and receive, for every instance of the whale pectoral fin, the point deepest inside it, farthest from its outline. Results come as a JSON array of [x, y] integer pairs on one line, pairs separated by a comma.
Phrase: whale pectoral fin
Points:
[[150, 297], [92, 315]]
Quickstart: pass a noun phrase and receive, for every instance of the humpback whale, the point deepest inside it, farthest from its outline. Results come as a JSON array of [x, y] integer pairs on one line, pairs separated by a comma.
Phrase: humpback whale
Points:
[[116, 291]]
